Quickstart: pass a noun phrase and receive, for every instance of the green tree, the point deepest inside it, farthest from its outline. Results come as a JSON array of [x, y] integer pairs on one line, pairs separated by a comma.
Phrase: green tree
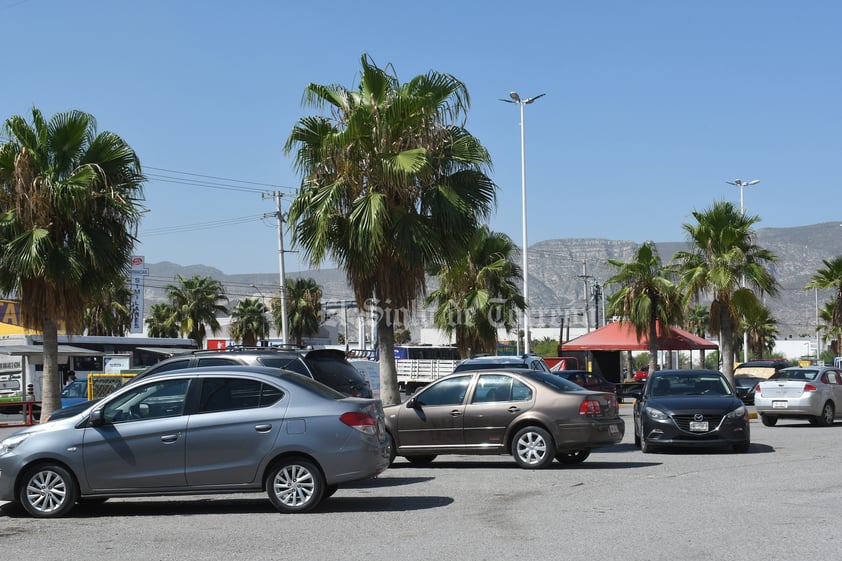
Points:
[[697, 321], [304, 308], [161, 321], [69, 210], [195, 303], [392, 184], [826, 315], [830, 278], [477, 293], [647, 297], [110, 314], [249, 322], [762, 329], [725, 263]]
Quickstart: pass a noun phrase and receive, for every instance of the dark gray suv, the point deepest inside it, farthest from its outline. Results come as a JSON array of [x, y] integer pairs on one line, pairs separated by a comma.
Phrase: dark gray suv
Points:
[[328, 366]]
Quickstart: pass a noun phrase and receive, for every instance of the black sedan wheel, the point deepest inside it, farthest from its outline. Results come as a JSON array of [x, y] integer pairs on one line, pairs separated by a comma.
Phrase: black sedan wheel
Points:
[[295, 485], [573, 458], [533, 447], [48, 491]]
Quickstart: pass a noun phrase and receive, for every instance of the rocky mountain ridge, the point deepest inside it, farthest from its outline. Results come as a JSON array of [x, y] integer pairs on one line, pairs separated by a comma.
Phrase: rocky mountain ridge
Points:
[[560, 270]]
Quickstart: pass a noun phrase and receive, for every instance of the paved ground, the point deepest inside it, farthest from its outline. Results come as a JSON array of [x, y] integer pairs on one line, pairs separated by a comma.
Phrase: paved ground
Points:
[[779, 501]]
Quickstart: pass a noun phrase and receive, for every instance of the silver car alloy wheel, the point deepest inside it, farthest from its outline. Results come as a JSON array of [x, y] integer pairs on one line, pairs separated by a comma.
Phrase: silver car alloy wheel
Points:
[[294, 485], [532, 448], [47, 492]]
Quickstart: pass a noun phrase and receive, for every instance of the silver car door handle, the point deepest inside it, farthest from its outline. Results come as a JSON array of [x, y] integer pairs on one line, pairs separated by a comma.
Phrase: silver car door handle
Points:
[[263, 428], [513, 409], [169, 438], [456, 413]]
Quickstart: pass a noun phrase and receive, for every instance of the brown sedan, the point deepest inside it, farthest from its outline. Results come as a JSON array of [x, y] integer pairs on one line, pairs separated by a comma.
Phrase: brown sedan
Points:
[[534, 416]]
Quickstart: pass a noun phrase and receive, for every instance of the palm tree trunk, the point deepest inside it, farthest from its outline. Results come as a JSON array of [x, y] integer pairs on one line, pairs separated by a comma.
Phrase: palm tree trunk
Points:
[[726, 344], [50, 384], [389, 393], [653, 345]]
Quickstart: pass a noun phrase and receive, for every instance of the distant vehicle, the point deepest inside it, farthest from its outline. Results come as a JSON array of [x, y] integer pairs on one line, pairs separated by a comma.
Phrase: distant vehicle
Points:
[[528, 361], [745, 386], [418, 365], [760, 368], [371, 370], [689, 408], [533, 415], [74, 393], [812, 392], [642, 375], [589, 380], [217, 429]]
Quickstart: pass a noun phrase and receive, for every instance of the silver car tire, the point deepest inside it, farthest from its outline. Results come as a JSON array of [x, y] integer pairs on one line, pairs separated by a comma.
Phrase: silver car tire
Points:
[[295, 485], [48, 491], [533, 448], [827, 416]]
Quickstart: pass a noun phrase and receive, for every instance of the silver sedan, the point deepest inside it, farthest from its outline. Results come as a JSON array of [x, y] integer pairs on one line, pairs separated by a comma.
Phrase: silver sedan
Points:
[[216, 429], [811, 392]]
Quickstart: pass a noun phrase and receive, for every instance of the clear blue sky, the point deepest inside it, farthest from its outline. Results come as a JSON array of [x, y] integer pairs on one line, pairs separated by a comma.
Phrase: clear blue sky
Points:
[[650, 106]]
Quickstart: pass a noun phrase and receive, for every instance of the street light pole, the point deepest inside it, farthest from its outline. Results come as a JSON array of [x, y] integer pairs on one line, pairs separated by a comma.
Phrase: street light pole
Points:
[[742, 185], [515, 98]]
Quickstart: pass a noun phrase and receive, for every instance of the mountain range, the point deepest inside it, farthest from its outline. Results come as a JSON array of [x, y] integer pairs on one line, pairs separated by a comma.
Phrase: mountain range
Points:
[[560, 270]]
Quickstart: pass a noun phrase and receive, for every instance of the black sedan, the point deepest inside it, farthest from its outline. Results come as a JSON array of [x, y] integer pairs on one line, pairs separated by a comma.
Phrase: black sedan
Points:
[[746, 386], [689, 408]]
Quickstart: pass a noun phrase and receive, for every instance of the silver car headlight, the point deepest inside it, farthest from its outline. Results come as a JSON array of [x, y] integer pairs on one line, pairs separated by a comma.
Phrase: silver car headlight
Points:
[[9, 444], [656, 414], [737, 413]]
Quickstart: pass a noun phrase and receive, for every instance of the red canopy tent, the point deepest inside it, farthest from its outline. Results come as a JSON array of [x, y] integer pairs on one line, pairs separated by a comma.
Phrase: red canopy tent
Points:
[[604, 346], [620, 336]]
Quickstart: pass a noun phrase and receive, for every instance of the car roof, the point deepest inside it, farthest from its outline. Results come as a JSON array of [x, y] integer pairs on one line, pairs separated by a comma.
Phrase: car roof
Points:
[[502, 359], [684, 373]]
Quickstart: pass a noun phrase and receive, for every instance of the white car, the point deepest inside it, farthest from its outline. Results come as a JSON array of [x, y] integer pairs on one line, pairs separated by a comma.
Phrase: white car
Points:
[[810, 392]]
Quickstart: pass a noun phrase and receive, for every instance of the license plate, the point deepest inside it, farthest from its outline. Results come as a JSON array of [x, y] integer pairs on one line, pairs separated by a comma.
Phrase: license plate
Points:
[[779, 404], [613, 430], [699, 426]]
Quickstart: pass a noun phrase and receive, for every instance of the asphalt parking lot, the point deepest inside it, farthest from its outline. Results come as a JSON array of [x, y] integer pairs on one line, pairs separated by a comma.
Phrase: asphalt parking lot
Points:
[[778, 501]]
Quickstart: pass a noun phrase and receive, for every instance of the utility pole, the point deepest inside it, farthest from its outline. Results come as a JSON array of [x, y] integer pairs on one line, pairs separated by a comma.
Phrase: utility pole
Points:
[[279, 216], [585, 278]]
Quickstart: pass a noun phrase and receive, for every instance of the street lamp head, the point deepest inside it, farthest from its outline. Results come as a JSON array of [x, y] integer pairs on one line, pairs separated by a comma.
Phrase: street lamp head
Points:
[[514, 96], [753, 182]]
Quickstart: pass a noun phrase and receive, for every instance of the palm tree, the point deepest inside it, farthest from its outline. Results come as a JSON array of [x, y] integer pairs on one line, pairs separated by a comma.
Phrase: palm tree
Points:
[[304, 308], [762, 329], [195, 303], [826, 314], [392, 184], [110, 313], [477, 294], [826, 279], [161, 321], [647, 297], [249, 322], [69, 210], [725, 263], [696, 321]]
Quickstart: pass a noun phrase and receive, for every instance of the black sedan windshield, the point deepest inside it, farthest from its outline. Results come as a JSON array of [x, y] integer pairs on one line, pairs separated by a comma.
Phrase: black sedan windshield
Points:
[[689, 385]]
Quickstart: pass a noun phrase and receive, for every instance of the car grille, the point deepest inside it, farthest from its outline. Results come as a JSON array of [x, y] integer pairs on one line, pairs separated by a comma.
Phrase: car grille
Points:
[[683, 421]]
